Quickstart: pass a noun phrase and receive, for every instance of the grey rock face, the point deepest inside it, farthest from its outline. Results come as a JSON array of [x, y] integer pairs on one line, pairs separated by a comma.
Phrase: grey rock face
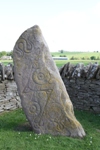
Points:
[[41, 89]]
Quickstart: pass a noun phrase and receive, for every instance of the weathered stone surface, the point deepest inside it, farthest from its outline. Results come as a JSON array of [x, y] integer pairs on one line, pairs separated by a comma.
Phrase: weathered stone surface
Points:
[[43, 94]]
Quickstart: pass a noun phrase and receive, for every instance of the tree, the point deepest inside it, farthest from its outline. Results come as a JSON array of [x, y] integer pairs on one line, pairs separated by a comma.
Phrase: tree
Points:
[[10, 54], [61, 51], [3, 53], [93, 58]]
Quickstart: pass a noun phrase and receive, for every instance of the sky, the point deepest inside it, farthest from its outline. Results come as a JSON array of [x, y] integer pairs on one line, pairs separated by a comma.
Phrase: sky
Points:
[[70, 25]]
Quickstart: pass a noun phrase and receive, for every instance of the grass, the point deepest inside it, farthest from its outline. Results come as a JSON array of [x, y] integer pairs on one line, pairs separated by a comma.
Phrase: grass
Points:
[[15, 134]]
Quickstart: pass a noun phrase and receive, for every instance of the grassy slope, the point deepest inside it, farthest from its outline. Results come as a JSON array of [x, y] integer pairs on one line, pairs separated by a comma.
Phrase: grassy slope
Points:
[[14, 135]]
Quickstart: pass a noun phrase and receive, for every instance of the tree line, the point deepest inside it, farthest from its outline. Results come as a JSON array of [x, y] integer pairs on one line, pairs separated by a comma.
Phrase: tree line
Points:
[[4, 53]]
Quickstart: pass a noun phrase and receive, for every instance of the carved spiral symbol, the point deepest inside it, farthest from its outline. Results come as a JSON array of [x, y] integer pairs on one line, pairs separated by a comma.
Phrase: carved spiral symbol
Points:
[[41, 76]]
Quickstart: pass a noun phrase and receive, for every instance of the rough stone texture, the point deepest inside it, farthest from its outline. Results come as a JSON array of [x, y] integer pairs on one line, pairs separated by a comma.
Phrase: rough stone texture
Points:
[[43, 94], [83, 85], [9, 98]]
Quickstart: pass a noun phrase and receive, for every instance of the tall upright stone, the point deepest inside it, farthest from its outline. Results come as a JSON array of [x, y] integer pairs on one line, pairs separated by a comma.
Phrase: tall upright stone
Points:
[[43, 95]]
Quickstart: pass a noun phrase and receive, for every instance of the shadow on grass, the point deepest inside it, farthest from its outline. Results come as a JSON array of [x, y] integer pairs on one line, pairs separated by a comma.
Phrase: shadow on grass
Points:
[[23, 127], [16, 121], [13, 126]]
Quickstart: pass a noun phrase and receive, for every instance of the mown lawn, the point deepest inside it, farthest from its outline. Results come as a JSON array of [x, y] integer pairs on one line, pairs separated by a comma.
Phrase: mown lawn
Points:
[[16, 134]]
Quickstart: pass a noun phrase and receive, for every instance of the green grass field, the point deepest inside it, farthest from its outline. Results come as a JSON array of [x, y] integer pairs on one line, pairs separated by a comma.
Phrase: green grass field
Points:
[[15, 134]]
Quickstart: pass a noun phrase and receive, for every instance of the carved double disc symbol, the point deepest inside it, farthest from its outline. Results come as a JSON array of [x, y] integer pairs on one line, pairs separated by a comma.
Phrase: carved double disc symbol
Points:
[[41, 76]]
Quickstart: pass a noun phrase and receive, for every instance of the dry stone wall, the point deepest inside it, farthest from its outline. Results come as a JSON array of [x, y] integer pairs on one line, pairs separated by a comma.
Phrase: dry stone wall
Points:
[[9, 99], [83, 85]]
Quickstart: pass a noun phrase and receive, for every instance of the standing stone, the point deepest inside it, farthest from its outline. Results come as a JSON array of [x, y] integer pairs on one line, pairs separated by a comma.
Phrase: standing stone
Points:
[[41, 89]]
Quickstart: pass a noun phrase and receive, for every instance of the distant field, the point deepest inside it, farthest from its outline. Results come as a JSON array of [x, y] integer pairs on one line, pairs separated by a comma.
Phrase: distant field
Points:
[[76, 54], [69, 55]]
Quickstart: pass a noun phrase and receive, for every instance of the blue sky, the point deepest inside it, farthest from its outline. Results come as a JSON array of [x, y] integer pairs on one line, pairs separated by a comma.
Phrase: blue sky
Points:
[[72, 25]]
